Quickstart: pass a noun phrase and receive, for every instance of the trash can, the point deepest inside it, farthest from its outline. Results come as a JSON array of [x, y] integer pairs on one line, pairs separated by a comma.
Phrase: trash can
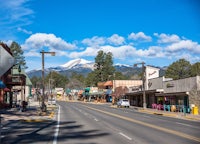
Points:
[[195, 110]]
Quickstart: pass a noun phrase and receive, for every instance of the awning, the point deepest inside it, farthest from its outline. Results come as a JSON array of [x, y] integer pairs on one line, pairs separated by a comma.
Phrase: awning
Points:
[[80, 92], [2, 85], [87, 89], [146, 92], [172, 94], [6, 89], [108, 83], [97, 93]]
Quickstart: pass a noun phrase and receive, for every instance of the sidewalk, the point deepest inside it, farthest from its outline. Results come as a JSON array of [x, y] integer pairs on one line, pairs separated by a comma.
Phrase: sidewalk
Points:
[[179, 115], [32, 114]]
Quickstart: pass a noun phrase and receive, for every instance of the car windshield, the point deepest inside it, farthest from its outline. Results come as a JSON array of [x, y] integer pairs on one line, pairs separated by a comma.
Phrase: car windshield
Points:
[[125, 100]]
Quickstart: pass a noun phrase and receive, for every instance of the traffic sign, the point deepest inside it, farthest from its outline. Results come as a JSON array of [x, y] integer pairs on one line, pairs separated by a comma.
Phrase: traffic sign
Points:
[[6, 61]]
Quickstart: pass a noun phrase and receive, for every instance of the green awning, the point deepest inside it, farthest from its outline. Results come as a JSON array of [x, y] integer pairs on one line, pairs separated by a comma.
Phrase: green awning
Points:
[[97, 93], [87, 89], [28, 81]]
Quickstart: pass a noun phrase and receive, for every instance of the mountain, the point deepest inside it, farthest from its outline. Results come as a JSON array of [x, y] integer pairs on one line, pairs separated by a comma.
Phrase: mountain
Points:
[[83, 67], [78, 63]]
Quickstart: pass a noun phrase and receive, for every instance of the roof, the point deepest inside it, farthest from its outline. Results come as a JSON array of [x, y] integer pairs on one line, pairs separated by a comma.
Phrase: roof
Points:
[[28, 81], [108, 83], [100, 85]]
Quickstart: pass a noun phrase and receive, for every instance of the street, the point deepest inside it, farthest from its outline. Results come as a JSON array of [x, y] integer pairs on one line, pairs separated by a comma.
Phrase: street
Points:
[[100, 123], [87, 123]]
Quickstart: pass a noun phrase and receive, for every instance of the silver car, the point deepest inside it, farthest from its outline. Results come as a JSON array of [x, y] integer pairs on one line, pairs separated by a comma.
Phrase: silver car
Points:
[[123, 103]]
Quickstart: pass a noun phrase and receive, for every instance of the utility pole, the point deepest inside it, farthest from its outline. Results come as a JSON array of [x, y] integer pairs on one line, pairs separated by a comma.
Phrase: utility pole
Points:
[[43, 83], [143, 83]]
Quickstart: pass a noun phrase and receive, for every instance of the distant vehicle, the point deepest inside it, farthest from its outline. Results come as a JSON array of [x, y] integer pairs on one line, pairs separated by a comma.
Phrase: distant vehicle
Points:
[[123, 103], [52, 101]]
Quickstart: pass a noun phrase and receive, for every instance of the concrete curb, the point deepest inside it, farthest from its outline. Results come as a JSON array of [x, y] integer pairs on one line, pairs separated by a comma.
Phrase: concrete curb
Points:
[[163, 113]]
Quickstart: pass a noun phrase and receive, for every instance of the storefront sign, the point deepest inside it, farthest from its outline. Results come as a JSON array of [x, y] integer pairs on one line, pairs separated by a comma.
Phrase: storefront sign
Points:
[[168, 85], [136, 88]]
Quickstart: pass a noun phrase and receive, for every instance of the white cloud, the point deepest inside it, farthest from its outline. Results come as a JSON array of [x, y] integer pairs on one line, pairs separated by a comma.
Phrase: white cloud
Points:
[[8, 42], [121, 52], [94, 41], [16, 11], [89, 51], [166, 38], [173, 48], [189, 45], [139, 36], [24, 30], [59, 52], [151, 52], [32, 53], [116, 39], [40, 40], [188, 57], [14, 14]]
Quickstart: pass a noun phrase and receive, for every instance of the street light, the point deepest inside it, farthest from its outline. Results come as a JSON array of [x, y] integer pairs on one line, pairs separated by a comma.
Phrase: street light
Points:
[[52, 54], [143, 83]]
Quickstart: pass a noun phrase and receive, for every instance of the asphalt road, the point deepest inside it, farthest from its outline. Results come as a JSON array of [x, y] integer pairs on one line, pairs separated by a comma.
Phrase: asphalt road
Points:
[[23, 132], [86, 123], [94, 124]]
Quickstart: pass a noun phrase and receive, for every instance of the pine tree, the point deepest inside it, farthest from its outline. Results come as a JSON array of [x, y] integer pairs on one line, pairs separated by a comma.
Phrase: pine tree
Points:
[[103, 67], [18, 55], [195, 70], [179, 69]]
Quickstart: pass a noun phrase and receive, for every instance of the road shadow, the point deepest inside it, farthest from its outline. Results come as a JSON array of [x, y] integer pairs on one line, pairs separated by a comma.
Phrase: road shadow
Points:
[[75, 131], [22, 132]]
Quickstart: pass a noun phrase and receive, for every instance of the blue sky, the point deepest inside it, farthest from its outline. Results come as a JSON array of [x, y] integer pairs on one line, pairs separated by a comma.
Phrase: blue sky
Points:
[[157, 32]]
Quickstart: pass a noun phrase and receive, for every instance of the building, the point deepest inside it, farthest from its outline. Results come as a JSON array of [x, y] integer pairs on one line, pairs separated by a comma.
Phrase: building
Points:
[[22, 89], [162, 93], [15, 84], [185, 92]]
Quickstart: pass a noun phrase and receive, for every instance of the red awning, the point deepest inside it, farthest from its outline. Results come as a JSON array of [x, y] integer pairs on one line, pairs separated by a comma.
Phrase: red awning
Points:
[[108, 83], [80, 92], [6, 89]]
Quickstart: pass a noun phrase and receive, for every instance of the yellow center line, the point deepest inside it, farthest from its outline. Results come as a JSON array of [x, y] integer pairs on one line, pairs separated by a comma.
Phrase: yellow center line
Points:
[[148, 125]]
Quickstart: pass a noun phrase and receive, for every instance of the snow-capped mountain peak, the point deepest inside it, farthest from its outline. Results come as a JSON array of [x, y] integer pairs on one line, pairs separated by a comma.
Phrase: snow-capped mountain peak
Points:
[[120, 65], [78, 62]]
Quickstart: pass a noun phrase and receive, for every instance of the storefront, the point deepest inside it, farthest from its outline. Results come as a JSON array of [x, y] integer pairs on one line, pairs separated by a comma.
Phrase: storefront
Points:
[[178, 100]]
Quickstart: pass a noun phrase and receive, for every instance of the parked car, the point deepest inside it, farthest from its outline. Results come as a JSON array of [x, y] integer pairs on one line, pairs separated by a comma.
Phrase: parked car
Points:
[[123, 103], [52, 101]]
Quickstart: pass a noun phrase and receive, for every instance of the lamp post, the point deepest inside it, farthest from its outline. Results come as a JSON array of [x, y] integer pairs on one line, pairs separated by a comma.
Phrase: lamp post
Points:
[[52, 54], [143, 83]]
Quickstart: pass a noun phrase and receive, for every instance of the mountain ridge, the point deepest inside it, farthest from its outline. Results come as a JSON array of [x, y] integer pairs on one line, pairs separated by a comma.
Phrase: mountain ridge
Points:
[[83, 67]]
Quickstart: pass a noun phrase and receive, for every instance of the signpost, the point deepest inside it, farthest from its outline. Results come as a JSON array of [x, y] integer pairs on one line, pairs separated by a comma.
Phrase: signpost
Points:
[[6, 61]]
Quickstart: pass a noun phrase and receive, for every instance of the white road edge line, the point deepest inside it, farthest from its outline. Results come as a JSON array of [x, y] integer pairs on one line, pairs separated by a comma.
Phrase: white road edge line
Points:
[[57, 127], [122, 134]]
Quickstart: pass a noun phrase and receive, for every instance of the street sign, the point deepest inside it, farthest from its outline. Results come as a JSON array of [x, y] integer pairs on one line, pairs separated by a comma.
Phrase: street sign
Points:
[[6, 61]]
